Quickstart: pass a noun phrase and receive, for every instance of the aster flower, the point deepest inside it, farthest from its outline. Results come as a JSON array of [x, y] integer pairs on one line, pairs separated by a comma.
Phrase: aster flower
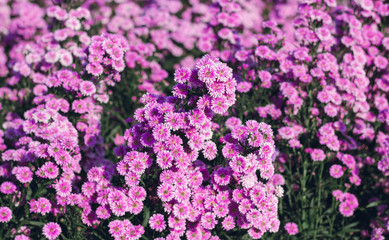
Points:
[[5, 214], [8, 188], [51, 230]]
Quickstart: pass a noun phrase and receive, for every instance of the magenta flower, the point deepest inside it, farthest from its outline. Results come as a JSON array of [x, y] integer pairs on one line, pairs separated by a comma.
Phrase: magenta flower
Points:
[[51, 230], [291, 228], [8, 187], [336, 171], [5, 214]]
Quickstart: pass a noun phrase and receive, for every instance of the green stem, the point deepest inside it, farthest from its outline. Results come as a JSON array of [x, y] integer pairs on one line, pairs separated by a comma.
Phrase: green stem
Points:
[[319, 199]]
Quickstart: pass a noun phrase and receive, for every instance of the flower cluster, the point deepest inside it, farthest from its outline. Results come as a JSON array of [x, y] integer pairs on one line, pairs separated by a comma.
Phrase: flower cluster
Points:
[[167, 141]]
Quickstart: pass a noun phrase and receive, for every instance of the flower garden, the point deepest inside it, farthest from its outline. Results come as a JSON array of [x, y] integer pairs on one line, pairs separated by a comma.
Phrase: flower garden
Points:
[[194, 119]]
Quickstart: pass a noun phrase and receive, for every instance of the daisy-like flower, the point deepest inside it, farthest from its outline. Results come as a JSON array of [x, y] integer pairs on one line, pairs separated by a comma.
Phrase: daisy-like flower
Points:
[[137, 193], [196, 142], [208, 221], [161, 132], [176, 223], [24, 174], [182, 75], [137, 166], [197, 118], [220, 210], [207, 74], [116, 228], [8, 187], [164, 159], [165, 192], [255, 233], [51, 230], [132, 179], [336, 171], [103, 212], [182, 194], [219, 105], [238, 164], [181, 211], [50, 170], [87, 88], [216, 89], [222, 176], [157, 222], [63, 187], [44, 205], [209, 150], [228, 223], [291, 228], [135, 207], [147, 139], [94, 68], [5, 214]]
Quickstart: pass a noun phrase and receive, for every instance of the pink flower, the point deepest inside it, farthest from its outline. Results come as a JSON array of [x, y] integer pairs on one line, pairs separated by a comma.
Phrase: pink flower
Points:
[[5, 214], [291, 228], [208, 220], [63, 187], [219, 105], [24, 174], [165, 192], [157, 222], [346, 209], [228, 223], [87, 88], [44, 206], [161, 132], [182, 75], [287, 132], [51, 230], [8, 187], [336, 171], [380, 62], [317, 155], [164, 159]]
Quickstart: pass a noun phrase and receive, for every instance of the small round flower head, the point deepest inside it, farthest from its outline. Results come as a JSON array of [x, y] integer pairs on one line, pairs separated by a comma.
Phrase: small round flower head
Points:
[[8, 188], [222, 176], [208, 220], [182, 75], [5, 214], [51, 230], [209, 150], [137, 193], [207, 74], [116, 228], [157, 222], [346, 209], [49, 170], [87, 88], [164, 159], [219, 105], [165, 192], [161, 132], [228, 223], [103, 212], [24, 174], [317, 155], [291, 228], [182, 193], [336, 171], [63, 187], [44, 205]]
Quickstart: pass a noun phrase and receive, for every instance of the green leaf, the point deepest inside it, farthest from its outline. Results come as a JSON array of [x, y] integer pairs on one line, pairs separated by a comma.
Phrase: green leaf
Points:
[[373, 204], [146, 216], [36, 223]]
